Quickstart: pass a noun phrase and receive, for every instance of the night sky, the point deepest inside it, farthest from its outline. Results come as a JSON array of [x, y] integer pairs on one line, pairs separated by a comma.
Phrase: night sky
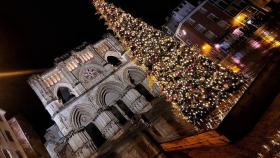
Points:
[[34, 32]]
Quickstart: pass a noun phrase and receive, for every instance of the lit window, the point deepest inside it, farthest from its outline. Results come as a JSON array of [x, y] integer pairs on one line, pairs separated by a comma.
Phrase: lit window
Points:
[[200, 28], [237, 33], [102, 47], [224, 45], [254, 44]]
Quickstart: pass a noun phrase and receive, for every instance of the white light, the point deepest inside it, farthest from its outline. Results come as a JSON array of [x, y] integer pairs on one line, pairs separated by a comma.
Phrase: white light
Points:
[[184, 32], [217, 46], [249, 22]]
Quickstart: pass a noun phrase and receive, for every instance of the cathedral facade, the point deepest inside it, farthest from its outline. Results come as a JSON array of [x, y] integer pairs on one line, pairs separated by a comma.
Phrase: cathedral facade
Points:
[[92, 95]]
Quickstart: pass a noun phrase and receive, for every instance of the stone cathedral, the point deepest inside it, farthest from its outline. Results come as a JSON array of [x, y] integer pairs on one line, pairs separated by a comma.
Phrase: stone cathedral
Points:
[[99, 100]]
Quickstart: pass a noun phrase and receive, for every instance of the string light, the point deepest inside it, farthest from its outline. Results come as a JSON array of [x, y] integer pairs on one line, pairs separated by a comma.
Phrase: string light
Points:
[[193, 83]]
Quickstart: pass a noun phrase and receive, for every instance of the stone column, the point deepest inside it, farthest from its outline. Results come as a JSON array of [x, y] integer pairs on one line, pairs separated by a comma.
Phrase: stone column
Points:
[[135, 101], [107, 123]]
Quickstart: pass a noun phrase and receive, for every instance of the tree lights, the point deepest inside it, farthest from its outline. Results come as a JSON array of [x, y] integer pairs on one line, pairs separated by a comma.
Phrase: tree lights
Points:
[[192, 82]]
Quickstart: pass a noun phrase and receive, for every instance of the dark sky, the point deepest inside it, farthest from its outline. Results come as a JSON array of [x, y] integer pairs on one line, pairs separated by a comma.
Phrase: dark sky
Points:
[[34, 32]]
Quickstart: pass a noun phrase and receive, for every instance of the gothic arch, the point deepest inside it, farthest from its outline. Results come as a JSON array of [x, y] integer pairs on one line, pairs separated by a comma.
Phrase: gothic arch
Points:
[[59, 86], [113, 53], [113, 58], [109, 92], [133, 75], [82, 115]]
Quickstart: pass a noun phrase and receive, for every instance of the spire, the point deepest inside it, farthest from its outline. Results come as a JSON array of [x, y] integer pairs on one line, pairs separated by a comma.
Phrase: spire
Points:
[[194, 83]]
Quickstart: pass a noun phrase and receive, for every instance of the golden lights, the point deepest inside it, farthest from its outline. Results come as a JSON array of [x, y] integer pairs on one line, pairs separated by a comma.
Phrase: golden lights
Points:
[[206, 49], [194, 84]]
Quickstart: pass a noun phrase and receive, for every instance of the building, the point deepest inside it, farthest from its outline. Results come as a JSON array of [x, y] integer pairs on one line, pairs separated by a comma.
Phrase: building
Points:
[[220, 28], [28, 138], [205, 22], [178, 15], [103, 104], [9, 145]]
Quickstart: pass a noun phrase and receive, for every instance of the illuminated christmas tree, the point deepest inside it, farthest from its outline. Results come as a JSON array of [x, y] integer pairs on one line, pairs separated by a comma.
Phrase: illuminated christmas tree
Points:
[[192, 82]]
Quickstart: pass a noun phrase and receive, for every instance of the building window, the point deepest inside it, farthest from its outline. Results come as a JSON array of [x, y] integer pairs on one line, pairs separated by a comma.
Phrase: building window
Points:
[[210, 35], [213, 17], [191, 21], [102, 47], [232, 11], [64, 94], [240, 4], [200, 28], [223, 24], [243, 4], [203, 10], [251, 9], [222, 5], [9, 136]]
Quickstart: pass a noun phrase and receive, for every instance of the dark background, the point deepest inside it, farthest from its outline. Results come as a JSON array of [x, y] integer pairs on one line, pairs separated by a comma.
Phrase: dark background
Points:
[[34, 32]]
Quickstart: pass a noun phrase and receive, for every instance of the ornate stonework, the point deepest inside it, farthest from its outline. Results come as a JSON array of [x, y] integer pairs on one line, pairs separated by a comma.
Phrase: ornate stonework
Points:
[[91, 96]]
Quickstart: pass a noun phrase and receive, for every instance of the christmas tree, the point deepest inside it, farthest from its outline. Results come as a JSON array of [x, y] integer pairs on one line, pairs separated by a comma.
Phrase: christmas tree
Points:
[[195, 84]]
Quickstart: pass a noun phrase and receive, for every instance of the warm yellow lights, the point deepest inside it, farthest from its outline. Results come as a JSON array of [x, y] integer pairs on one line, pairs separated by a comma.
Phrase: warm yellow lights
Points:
[[268, 38], [276, 44], [239, 19], [235, 68], [206, 49], [194, 84]]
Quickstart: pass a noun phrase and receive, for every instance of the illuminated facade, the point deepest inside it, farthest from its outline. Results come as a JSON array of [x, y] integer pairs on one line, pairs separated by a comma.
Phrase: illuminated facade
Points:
[[94, 96], [9, 145]]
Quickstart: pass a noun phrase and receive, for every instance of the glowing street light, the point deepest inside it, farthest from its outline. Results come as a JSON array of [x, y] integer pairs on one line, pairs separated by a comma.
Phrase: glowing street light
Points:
[[206, 48]]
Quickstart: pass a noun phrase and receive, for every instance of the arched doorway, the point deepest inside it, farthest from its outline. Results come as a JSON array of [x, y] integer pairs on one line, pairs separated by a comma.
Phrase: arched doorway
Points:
[[95, 135], [118, 115], [113, 61], [64, 94], [135, 76], [143, 91], [125, 109]]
